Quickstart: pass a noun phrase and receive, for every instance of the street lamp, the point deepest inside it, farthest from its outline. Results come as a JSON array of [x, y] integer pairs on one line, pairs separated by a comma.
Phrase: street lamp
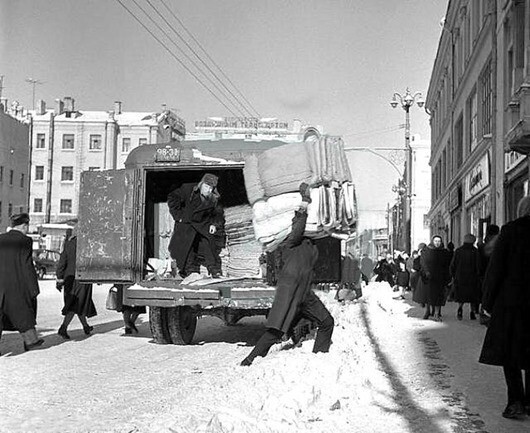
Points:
[[406, 101]]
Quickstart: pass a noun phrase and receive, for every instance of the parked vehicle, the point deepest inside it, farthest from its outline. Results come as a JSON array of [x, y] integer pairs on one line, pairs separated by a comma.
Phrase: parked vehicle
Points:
[[119, 232], [45, 262]]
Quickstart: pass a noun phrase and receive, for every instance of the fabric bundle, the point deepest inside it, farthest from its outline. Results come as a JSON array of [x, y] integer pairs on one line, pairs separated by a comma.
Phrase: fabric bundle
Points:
[[282, 169], [243, 250]]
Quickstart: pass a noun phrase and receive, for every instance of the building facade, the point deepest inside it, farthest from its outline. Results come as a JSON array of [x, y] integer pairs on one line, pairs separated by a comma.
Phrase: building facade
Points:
[[14, 166], [66, 141]]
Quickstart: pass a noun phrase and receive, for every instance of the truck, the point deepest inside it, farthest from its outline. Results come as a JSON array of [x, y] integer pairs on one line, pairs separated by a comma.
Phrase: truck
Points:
[[120, 230]]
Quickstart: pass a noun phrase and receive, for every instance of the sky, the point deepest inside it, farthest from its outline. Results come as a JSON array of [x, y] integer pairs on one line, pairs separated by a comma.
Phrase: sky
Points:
[[334, 63]]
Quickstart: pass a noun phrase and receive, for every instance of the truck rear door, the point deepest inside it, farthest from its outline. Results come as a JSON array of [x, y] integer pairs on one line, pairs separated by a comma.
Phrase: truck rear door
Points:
[[107, 229]]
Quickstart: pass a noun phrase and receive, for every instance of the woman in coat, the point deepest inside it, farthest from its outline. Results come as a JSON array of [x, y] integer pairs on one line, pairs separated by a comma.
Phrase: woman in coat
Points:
[[294, 298], [77, 296], [198, 217], [465, 271], [507, 299], [435, 262]]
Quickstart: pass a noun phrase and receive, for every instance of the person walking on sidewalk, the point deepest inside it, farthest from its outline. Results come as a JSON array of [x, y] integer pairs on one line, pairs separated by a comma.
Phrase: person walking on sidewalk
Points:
[[465, 271], [434, 276], [507, 299], [294, 298], [485, 249], [77, 296], [19, 285]]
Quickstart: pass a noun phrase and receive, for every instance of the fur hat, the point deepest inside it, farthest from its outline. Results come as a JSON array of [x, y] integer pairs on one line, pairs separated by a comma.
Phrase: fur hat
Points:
[[19, 219], [469, 239], [210, 179]]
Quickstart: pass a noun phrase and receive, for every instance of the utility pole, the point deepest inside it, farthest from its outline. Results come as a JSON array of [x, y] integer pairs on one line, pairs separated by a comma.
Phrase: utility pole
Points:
[[34, 83]]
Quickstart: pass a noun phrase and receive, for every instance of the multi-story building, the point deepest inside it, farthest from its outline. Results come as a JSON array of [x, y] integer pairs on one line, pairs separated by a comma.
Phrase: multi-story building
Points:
[[14, 166], [420, 194], [249, 128], [461, 100], [479, 99], [67, 141]]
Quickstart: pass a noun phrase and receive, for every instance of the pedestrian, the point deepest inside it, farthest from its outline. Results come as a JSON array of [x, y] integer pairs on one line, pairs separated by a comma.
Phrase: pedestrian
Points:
[[19, 286], [402, 275], [367, 268], [434, 276], [465, 272], [384, 270], [351, 277], [77, 296], [409, 266], [294, 298], [485, 248], [198, 217], [507, 299], [129, 313]]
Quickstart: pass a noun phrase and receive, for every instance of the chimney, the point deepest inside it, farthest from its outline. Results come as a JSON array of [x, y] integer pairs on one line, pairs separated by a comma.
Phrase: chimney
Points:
[[59, 107], [41, 107], [117, 107], [69, 104], [111, 115], [3, 103]]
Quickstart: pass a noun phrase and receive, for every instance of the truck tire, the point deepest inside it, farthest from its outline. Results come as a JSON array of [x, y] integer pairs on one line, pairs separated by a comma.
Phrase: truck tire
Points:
[[159, 325], [182, 322]]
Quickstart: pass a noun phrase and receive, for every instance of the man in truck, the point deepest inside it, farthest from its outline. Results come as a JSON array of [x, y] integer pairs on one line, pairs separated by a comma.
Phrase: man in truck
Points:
[[198, 217]]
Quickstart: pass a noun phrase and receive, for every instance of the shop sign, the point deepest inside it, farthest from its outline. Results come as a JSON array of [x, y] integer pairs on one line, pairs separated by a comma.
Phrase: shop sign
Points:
[[478, 178], [512, 159], [454, 198], [240, 123]]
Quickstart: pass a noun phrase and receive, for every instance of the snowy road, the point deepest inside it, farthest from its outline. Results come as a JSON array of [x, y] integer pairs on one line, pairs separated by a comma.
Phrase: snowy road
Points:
[[387, 370]]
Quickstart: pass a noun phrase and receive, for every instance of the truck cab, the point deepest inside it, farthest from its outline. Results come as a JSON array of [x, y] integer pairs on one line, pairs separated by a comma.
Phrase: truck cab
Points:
[[124, 225]]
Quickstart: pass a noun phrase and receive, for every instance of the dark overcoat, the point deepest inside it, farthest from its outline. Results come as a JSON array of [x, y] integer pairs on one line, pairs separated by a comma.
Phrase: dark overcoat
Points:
[[193, 215], [77, 296], [19, 284], [507, 298], [434, 274], [384, 272], [465, 270], [299, 256]]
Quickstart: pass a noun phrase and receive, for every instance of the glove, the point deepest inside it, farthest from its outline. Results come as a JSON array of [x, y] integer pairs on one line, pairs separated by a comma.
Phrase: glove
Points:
[[59, 285], [305, 192]]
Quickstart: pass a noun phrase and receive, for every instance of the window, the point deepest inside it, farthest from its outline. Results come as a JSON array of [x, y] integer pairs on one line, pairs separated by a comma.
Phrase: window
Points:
[[22, 180], [125, 145], [9, 210], [93, 168], [37, 205], [68, 141], [459, 142], [142, 141], [486, 105], [0, 211], [41, 141], [473, 121], [66, 206], [39, 172], [67, 174], [1, 173], [11, 175], [95, 142]]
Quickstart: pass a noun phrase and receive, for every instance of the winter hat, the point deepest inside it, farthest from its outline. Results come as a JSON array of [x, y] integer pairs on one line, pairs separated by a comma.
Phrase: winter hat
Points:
[[210, 179], [421, 246], [19, 219], [469, 239]]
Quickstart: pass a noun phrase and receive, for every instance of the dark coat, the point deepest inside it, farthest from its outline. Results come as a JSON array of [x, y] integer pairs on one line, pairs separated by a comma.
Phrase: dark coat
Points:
[[384, 272], [402, 275], [465, 270], [299, 256], [19, 284], [350, 272], [77, 296], [193, 215], [434, 275], [367, 267], [507, 298]]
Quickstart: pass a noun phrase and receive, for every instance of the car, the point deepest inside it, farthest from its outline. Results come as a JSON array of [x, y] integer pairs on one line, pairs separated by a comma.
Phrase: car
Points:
[[46, 261]]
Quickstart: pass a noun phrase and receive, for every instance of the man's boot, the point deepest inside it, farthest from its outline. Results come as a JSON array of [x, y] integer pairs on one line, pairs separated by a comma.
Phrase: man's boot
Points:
[[31, 339]]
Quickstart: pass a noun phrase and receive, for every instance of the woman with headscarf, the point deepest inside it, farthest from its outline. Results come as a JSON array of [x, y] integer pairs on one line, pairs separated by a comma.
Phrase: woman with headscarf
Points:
[[434, 264], [507, 299]]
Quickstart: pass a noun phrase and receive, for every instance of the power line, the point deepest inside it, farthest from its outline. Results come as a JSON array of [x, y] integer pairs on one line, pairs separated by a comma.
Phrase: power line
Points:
[[375, 131], [200, 59], [176, 58], [210, 58], [227, 99]]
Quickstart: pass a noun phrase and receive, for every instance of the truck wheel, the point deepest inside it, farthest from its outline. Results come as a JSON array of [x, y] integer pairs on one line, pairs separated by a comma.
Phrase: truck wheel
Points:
[[159, 325], [182, 322]]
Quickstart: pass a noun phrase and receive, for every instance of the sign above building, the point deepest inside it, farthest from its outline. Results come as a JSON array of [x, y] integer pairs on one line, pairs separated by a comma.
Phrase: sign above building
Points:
[[478, 178], [241, 124]]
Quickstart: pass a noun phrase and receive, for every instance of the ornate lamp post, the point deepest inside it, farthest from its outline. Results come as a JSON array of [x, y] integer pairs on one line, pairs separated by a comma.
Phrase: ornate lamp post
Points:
[[406, 101]]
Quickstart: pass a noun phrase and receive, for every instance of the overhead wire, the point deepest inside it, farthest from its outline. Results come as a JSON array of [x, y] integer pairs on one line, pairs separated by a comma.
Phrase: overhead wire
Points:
[[191, 72], [253, 109], [376, 131], [238, 104]]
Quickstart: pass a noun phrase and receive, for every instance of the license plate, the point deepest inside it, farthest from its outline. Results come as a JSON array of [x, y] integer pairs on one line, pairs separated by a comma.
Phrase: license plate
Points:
[[167, 154]]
